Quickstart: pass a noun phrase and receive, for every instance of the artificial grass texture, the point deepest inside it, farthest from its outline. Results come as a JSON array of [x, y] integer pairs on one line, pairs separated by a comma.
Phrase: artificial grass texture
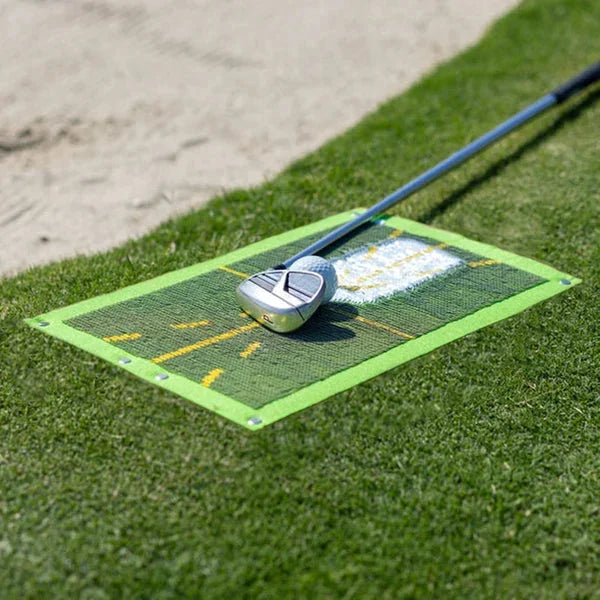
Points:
[[471, 472]]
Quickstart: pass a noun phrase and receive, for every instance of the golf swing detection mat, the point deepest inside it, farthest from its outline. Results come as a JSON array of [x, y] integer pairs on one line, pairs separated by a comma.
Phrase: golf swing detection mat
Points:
[[404, 289]]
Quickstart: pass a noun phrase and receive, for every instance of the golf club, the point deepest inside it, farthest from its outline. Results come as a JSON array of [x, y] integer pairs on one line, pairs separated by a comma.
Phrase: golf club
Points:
[[283, 298]]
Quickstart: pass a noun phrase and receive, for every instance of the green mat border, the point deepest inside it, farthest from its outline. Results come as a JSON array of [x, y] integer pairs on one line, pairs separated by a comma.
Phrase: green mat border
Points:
[[241, 413]]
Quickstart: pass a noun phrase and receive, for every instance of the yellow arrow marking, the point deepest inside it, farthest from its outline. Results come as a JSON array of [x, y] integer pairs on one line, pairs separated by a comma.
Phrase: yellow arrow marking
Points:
[[209, 379], [253, 347], [483, 263], [122, 338], [204, 343], [234, 272]]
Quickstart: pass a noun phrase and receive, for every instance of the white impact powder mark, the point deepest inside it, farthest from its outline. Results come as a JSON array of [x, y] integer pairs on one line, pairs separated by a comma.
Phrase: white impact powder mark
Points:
[[383, 269]]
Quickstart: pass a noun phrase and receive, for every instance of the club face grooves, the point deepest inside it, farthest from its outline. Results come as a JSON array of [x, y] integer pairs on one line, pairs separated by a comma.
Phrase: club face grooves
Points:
[[281, 300]]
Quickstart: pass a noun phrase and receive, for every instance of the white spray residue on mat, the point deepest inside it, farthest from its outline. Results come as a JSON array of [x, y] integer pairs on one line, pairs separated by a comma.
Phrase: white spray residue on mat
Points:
[[380, 270]]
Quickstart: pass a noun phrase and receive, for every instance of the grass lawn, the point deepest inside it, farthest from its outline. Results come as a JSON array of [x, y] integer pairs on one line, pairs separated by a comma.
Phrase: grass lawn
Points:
[[470, 472]]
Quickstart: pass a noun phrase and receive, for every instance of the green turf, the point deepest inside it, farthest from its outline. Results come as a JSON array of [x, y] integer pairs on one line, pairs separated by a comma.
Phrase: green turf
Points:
[[471, 472]]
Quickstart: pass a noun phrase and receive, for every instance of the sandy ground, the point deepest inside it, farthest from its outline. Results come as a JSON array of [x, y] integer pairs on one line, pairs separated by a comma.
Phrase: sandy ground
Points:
[[117, 114]]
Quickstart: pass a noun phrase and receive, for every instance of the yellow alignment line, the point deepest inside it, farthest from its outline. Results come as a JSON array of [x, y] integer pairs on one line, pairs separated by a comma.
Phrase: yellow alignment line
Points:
[[122, 338], [370, 252], [416, 254], [211, 377], [190, 325], [370, 275], [402, 260], [375, 324], [386, 327], [342, 275], [484, 263], [430, 272], [233, 272], [373, 249], [253, 347], [204, 343], [358, 288]]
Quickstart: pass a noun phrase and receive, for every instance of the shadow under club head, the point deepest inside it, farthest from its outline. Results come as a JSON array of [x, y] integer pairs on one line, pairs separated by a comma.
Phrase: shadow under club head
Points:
[[280, 299]]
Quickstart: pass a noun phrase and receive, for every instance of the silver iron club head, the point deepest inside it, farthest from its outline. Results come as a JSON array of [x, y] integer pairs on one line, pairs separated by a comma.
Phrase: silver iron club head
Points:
[[280, 299]]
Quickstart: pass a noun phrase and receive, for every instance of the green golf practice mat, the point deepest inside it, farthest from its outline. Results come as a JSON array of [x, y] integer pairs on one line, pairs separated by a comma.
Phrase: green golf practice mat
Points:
[[404, 289]]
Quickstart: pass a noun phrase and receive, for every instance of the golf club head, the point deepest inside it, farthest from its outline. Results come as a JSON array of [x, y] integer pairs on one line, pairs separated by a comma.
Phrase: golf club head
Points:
[[280, 299]]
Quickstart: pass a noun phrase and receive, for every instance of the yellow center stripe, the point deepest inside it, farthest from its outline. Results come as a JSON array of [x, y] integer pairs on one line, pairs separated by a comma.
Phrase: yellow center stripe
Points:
[[400, 261], [250, 349], [190, 325], [430, 272], [396, 234], [122, 338], [209, 379], [234, 272], [369, 276], [385, 327], [358, 288], [374, 324], [483, 263], [417, 254], [204, 343]]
